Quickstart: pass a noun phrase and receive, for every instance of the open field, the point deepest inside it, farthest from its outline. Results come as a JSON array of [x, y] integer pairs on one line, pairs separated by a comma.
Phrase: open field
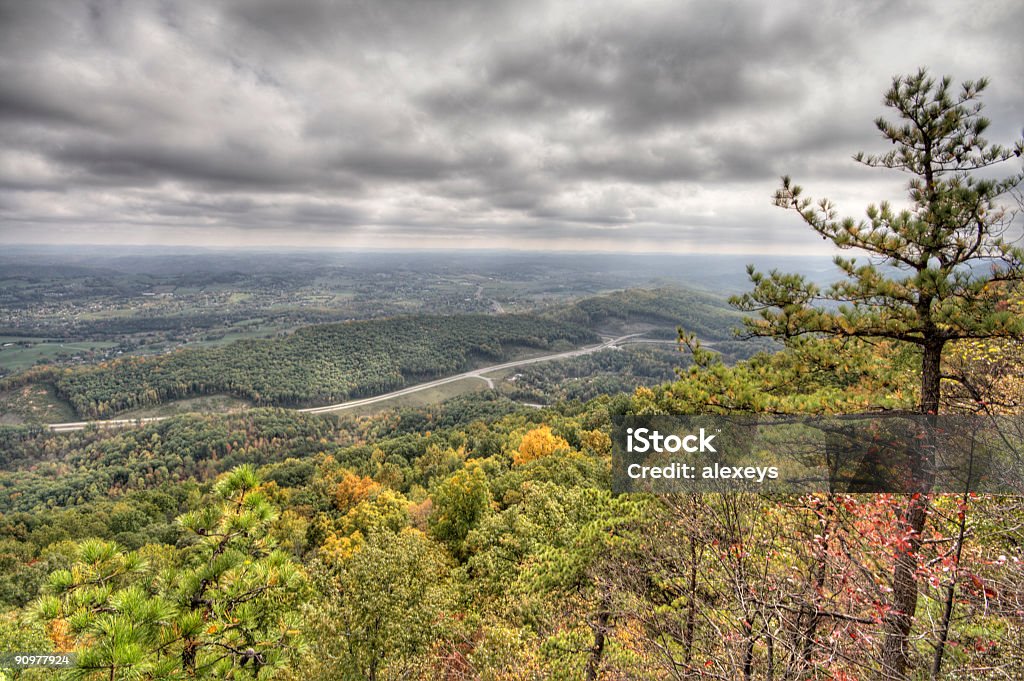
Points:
[[18, 354]]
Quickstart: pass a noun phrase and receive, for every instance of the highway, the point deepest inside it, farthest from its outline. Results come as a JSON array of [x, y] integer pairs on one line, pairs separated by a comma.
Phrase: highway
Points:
[[111, 423], [352, 404]]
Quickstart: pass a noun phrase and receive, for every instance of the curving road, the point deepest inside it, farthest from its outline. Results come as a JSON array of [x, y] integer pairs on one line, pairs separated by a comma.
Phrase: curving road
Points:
[[352, 404]]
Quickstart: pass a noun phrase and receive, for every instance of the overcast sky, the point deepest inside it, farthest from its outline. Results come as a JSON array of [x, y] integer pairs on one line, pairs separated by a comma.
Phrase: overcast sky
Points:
[[587, 125]]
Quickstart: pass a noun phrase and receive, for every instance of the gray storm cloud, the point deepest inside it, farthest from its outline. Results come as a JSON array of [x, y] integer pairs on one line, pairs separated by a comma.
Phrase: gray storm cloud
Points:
[[563, 125]]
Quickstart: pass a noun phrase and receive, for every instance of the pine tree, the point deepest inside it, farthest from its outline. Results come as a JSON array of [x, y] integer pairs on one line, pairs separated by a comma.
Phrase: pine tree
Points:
[[224, 607], [931, 275], [238, 594]]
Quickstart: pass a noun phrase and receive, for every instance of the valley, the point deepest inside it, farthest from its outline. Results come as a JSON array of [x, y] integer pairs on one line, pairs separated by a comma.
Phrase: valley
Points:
[[192, 328]]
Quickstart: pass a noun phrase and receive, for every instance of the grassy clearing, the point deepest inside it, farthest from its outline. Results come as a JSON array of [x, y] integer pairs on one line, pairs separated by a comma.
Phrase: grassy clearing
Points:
[[207, 404], [244, 331], [35, 403]]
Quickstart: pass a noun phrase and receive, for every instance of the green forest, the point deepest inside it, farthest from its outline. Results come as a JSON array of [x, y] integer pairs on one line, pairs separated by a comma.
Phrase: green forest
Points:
[[315, 365], [478, 539]]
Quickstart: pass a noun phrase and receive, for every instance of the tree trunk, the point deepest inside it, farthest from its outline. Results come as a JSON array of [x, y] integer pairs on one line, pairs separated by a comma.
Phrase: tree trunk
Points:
[[931, 368], [597, 650], [947, 606], [810, 633], [691, 606], [903, 602], [748, 648], [188, 657]]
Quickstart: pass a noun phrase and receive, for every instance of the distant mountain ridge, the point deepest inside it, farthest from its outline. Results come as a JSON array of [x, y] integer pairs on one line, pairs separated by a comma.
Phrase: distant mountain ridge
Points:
[[707, 315]]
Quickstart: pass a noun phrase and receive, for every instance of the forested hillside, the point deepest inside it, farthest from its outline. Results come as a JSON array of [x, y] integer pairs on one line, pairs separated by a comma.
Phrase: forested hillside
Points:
[[702, 313], [315, 365]]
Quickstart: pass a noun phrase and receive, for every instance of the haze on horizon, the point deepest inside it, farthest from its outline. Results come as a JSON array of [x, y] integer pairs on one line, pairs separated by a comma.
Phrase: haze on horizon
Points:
[[577, 126]]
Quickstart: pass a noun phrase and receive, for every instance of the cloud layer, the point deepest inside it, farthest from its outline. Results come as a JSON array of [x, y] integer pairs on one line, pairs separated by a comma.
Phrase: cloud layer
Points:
[[562, 125]]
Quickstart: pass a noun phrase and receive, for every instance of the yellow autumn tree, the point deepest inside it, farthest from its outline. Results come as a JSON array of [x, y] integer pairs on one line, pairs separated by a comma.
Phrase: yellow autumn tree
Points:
[[538, 443]]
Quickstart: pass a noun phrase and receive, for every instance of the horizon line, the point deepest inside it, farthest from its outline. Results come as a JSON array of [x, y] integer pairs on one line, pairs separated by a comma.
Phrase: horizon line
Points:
[[308, 249]]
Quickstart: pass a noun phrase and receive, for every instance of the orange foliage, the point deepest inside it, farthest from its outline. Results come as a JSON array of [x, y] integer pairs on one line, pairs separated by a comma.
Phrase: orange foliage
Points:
[[60, 634], [353, 490], [419, 513]]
